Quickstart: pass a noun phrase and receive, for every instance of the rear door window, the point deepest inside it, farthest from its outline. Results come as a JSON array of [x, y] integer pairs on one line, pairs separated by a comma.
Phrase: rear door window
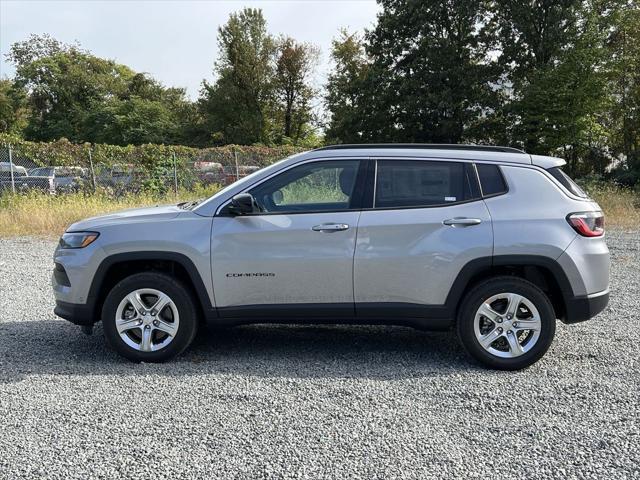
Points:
[[422, 183]]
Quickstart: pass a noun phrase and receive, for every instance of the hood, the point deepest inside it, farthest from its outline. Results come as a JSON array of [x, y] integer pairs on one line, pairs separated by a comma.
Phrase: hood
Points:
[[132, 215]]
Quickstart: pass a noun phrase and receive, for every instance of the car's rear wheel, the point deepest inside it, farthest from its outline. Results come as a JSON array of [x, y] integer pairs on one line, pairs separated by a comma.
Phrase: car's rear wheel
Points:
[[149, 317], [506, 323]]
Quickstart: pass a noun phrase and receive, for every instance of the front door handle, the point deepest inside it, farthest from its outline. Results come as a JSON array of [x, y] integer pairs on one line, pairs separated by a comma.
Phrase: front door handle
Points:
[[462, 222], [330, 227]]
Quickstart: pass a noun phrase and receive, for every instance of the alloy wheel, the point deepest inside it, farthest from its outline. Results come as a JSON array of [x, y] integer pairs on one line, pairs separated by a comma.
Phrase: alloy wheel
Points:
[[147, 320], [507, 325]]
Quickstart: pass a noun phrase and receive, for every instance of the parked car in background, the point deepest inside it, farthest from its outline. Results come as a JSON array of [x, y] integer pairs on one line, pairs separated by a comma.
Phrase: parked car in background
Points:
[[19, 174], [234, 173], [58, 179], [6, 167], [117, 176], [209, 172]]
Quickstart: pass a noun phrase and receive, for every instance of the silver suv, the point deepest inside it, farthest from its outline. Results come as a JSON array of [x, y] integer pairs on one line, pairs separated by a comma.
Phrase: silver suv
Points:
[[491, 241]]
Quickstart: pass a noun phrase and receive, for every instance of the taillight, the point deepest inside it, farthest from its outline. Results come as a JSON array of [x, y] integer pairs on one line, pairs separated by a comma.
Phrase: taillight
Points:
[[587, 224]]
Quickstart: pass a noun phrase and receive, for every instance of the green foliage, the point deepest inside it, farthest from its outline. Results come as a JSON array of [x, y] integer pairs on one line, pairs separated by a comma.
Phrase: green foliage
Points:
[[431, 75], [305, 192], [622, 119], [235, 106], [555, 77], [76, 95], [14, 110], [423, 74], [345, 92], [318, 187], [293, 94], [145, 113], [152, 160], [553, 58], [262, 92]]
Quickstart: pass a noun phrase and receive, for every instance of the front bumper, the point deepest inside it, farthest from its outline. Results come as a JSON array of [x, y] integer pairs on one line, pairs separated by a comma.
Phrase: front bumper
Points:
[[583, 308], [77, 313]]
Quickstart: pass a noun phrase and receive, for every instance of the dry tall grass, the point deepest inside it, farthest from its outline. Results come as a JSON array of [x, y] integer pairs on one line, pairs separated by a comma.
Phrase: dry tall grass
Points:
[[621, 206], [46, 215]]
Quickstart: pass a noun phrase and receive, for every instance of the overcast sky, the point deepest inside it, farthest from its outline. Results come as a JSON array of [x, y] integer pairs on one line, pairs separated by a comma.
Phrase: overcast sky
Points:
[[174, 41]]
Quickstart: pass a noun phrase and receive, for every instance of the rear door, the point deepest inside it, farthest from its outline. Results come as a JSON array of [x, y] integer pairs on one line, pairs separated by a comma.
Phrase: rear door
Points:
[[295, 258], [428, 220]]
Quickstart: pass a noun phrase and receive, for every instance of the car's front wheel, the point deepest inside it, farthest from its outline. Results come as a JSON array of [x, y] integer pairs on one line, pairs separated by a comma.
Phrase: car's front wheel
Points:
[[506, 323], [149, 317]]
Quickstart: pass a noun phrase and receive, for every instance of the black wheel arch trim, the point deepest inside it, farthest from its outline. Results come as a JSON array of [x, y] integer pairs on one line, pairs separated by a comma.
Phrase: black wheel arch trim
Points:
[[573, 313], [95, 292]]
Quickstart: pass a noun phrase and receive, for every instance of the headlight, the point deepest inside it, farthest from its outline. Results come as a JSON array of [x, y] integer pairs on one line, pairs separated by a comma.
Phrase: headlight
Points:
[[77, 239]]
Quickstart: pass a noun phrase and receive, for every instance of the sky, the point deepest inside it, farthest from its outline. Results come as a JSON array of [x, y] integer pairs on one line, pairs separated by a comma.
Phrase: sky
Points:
[[174, 41]]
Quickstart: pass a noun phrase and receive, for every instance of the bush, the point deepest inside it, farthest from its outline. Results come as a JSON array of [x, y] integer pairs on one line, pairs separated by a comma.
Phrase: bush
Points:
[[150, 167], [63, 152]]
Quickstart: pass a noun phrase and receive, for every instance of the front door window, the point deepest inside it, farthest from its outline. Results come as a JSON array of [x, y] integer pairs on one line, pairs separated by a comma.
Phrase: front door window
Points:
[[312, 187]]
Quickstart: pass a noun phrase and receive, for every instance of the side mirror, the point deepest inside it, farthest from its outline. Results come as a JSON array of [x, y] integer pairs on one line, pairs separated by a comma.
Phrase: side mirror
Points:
[[243, 204]]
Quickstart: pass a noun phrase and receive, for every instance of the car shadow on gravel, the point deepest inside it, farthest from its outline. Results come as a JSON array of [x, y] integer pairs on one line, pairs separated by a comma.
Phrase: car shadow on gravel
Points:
[[53, 347]]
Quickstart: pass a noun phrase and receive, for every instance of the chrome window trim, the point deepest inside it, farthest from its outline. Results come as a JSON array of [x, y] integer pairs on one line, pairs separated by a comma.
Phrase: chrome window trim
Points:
[[375, 183]]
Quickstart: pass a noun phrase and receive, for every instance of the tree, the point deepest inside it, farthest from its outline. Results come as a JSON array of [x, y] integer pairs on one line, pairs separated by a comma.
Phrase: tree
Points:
[[235, 107], [14, 110], [145, 112], [64, 83], [426, 75], [292, 87], [345, 94], [623, 81], [74, 94], [431, 69], [553, 57]]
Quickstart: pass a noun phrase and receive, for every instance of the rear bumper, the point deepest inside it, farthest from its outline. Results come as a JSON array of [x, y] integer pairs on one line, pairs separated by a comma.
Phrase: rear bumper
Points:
[[77, 313], [583, 308]]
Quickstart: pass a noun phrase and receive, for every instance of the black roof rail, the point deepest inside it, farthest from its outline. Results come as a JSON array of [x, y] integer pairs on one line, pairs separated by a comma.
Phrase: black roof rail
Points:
[[423, 146]]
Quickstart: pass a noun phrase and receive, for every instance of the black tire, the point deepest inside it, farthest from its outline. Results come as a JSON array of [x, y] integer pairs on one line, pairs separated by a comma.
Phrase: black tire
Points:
[[181, 296], [494, 286]]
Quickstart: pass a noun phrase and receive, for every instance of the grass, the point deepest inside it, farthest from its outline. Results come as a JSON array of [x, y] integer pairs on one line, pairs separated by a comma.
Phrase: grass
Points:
[[621, 206], [46, 215], [41, 214]]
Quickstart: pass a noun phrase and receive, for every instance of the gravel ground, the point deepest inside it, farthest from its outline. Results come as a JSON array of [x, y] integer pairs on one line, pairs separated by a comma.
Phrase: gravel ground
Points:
[[316, 402]]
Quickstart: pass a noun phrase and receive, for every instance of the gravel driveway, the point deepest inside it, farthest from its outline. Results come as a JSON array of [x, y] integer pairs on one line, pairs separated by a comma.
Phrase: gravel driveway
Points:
[[313, 402]]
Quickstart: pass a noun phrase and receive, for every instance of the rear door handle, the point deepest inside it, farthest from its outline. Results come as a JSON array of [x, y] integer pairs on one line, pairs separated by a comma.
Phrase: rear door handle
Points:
[[330, 227], [462, 222]]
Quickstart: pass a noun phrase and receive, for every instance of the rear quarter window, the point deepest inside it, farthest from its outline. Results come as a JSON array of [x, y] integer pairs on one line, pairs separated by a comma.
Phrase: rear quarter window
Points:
[[567, 182]]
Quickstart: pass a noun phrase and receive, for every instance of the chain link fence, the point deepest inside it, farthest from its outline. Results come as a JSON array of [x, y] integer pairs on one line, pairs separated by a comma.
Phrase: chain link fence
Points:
[[171, 172]]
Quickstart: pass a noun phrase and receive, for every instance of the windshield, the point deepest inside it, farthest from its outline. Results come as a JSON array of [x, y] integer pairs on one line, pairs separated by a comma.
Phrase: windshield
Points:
[[69, 172]]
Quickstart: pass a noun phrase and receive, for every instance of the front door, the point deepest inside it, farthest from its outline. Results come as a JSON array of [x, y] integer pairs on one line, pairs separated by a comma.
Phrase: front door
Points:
[[295, 257]]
